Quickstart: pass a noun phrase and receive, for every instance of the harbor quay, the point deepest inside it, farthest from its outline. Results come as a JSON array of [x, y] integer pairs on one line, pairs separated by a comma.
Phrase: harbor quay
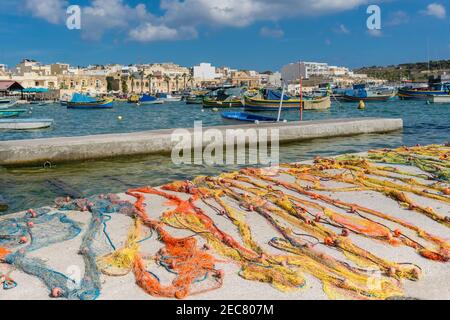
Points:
[[68, 149]]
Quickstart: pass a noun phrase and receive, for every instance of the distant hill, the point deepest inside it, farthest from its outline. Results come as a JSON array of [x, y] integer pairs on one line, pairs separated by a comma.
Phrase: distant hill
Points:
[[412, 71]]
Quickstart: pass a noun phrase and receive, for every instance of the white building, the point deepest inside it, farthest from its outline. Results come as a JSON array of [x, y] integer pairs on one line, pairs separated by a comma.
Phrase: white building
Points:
[[294, 71], [3, 67], [205, 72]]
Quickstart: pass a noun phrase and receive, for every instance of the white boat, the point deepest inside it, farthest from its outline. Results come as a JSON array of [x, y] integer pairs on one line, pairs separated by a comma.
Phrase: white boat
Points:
[[169, 98], [25, 124], [5, 100], [439, 98], [8, 105]]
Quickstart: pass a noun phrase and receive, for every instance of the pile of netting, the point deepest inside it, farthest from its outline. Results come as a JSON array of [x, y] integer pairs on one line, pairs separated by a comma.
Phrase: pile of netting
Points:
[[314, 230], [37, 229]]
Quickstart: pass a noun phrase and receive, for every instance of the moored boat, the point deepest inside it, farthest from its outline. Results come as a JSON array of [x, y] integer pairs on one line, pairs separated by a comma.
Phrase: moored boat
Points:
[[25, 124], [148, 99], [195, 99], [11, 113], [246, 117], [228, 103], [223, 98], [81, 101], [4, 101], [361, 93], [436, 87], [439, 98], [168, 97], [270, 100], [8, 105]]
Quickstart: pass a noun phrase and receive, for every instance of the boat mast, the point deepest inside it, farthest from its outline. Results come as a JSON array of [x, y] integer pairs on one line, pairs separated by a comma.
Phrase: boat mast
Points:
[[301, 90], [281, 101]]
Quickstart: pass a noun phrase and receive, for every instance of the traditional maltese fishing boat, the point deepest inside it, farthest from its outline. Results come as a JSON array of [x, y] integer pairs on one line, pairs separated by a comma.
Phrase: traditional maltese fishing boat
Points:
[[223, 98], [270, 100], [81, 101], [361, 93], [435, 88], [11, 113]]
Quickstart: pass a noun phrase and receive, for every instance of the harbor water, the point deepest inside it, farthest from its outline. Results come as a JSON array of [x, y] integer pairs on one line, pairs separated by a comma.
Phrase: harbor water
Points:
[[23, 188]]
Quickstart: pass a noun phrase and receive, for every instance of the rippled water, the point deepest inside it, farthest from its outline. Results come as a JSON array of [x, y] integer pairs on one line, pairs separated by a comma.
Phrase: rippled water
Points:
[[23, 188]]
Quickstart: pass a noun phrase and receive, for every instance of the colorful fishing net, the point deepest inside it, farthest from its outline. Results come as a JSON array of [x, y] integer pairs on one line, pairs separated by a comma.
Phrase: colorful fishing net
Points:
[[313, 229]]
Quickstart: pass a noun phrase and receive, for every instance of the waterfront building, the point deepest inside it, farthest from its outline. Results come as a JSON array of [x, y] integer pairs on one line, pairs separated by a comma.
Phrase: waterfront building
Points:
[[9, 87], [205, 72], [293, 71]]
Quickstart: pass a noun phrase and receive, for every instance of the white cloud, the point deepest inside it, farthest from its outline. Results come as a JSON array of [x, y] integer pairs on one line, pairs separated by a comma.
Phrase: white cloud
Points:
[[436, 10], [148, 32], [52, 11], [137, 23], [271, 33], [398, 18], [105, 15]]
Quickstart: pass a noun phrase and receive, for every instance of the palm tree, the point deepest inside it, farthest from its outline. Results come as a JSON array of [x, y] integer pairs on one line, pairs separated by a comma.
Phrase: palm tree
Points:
[[177, 79], [191, 80], [184, 80], [132, 83], [167, 80], [141, 73], [125, 84], [150, 78]]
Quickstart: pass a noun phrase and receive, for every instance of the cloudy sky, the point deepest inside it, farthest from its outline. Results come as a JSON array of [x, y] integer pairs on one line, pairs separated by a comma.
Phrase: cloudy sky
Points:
[[253, 34]]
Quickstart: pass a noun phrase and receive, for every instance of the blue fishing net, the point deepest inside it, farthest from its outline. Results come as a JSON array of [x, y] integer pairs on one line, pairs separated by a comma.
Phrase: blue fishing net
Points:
[[55, 227]]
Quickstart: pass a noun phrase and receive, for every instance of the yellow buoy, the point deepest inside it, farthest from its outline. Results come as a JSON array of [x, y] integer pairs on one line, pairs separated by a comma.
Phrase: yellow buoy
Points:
[[361, 105], [119, 118]]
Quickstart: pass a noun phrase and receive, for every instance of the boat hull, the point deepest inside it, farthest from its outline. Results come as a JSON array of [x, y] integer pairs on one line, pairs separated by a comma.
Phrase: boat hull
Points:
[[254, 104], [208, 104], [90, 105], [151, 102], [419, 94], [25, 124], [11, 113], [381, 98], [439, 99], [7, 105], [246, 117]]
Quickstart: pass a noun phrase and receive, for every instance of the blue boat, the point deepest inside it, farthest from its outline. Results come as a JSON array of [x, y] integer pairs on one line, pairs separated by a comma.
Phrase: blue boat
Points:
[[434, 89], [11, 113], [148, 99], [361, 93], [246, 117], [81, 101]]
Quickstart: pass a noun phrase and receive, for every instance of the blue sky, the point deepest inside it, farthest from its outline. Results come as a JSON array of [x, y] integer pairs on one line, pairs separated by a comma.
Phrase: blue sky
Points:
[[247, 34]]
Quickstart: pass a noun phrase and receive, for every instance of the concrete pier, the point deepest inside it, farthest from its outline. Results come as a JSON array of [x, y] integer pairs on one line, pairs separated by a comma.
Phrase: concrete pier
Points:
[[66, 149]]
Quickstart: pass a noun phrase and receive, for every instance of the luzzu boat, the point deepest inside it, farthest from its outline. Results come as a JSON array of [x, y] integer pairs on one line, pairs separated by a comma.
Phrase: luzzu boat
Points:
[[270, 100], [81, 101], [223, 98], [11, 113], [361, 93], [436, 89]]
